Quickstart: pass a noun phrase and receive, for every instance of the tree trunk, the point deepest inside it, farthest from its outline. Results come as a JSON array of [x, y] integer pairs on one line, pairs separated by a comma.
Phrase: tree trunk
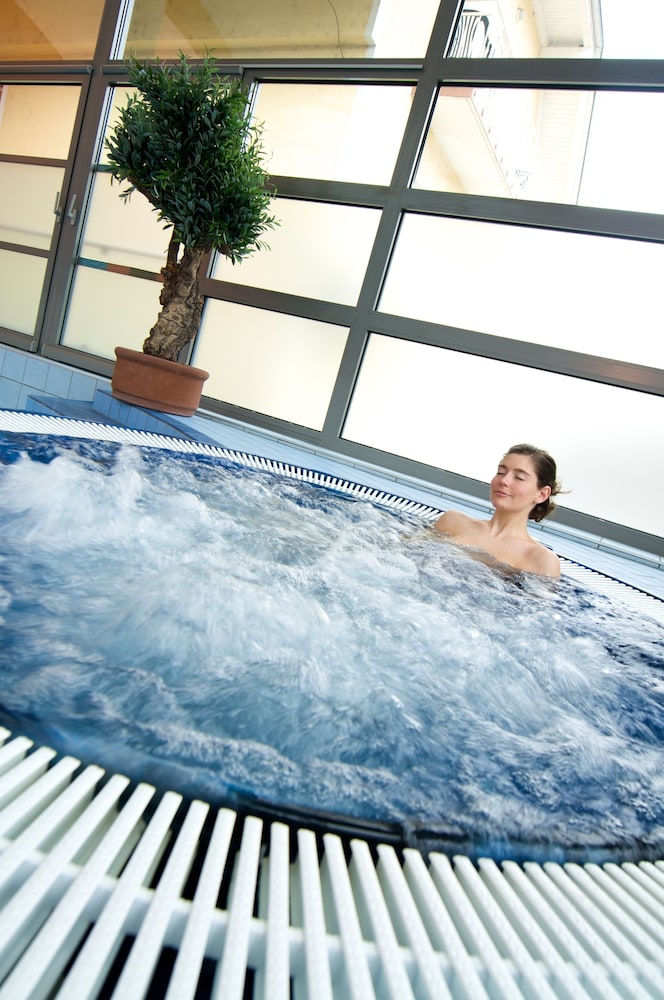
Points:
[[182, 305]]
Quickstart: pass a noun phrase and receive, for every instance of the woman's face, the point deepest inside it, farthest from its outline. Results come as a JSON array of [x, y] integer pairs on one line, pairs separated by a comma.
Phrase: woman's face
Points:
[[514, 486]]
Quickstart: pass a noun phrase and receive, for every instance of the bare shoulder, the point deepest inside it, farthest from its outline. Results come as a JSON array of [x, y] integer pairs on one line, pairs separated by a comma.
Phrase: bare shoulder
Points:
[[544, 561], [452, 522]]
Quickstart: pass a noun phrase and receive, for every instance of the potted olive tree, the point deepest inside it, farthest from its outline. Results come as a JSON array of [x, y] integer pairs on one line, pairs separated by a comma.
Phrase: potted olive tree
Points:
[[185, 140]]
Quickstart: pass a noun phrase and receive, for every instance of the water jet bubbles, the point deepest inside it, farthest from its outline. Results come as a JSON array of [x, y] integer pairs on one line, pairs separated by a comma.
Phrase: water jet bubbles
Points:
[[251, 632]]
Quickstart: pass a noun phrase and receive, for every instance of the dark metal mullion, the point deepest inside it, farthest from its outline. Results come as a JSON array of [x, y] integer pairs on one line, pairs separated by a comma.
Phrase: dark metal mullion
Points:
[[280, 302], [23, 248], [84, 135], [583, 219], [57, 284], [12, 338], [395, 71], [425, 97], [88, 120], [113, 12], [361, 321], [334, 192], [33, 161], [60, 243], [568, 74], [565, 217], [575, 364], [388, 228], [118, 72], [31, 73]]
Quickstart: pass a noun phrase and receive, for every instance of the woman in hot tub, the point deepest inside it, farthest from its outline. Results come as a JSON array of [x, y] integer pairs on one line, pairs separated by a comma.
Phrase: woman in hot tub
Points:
[[521, 490]]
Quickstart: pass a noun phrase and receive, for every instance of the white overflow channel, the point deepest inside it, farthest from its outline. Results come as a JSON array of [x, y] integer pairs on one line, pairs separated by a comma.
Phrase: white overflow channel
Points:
[[112, 890]]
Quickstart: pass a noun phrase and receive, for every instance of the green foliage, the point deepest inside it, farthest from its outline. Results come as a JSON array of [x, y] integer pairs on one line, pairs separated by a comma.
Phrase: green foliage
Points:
[[186, 141]]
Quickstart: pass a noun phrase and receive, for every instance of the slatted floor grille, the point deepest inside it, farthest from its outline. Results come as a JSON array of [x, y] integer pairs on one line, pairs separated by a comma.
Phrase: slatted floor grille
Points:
[[112, 890], [109, 889]]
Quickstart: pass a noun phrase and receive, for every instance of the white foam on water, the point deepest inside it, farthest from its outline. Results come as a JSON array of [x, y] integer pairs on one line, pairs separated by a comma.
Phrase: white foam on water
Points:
[[247, 633]]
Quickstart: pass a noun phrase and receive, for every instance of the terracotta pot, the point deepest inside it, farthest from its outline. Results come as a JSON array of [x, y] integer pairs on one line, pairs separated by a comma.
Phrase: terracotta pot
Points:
[[157, 384]]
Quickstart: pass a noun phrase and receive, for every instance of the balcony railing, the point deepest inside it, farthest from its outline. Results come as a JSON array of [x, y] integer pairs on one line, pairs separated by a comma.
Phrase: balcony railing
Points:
[[480, 34]]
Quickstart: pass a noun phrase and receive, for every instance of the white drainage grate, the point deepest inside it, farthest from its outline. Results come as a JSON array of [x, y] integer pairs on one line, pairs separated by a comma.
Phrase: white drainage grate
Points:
[[31, 423], [112, 890]]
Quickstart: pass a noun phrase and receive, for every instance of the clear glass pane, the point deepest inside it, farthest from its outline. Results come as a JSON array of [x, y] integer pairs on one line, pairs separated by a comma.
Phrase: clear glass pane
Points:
[[37, 120], [41, 29], [127, 233], [548, 28], [21, 278], [569, 146], [275, 364], [269, 28], [27, 198], [107, 310], [459, 413], [333, 131], [592, 294], [303, 256]]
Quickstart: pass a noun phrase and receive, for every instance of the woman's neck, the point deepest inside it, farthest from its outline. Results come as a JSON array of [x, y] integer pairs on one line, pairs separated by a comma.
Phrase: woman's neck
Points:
[[509, 525]]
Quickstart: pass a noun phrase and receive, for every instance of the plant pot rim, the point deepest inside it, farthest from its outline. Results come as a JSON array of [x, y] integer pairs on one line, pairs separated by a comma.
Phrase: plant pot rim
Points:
[[157, 362]]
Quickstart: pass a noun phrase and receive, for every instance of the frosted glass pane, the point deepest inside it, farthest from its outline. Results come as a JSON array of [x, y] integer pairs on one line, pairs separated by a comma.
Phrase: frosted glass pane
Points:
[[37, 120], [569, 146], [107, 310], [279, 365], [27, 200], [592, 294], [42, 29], [459, 413], [303, 256], [126, 233], [21, 279], [333, 131], [264, 28], [624, 161]]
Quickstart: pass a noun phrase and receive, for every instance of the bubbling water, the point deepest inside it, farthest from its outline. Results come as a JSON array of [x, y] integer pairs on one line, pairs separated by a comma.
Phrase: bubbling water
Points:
[[240, 636]]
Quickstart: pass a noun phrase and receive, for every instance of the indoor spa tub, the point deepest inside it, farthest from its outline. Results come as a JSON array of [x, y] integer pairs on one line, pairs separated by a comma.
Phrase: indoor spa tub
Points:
[[268, 723]]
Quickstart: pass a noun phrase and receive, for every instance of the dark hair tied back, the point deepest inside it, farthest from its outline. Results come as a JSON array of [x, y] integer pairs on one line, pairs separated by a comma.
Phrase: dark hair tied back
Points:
[[545, 467]]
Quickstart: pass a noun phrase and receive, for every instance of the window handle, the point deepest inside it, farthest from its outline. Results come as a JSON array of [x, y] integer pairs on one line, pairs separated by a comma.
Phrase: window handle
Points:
[[57, 211], [73, 212]]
